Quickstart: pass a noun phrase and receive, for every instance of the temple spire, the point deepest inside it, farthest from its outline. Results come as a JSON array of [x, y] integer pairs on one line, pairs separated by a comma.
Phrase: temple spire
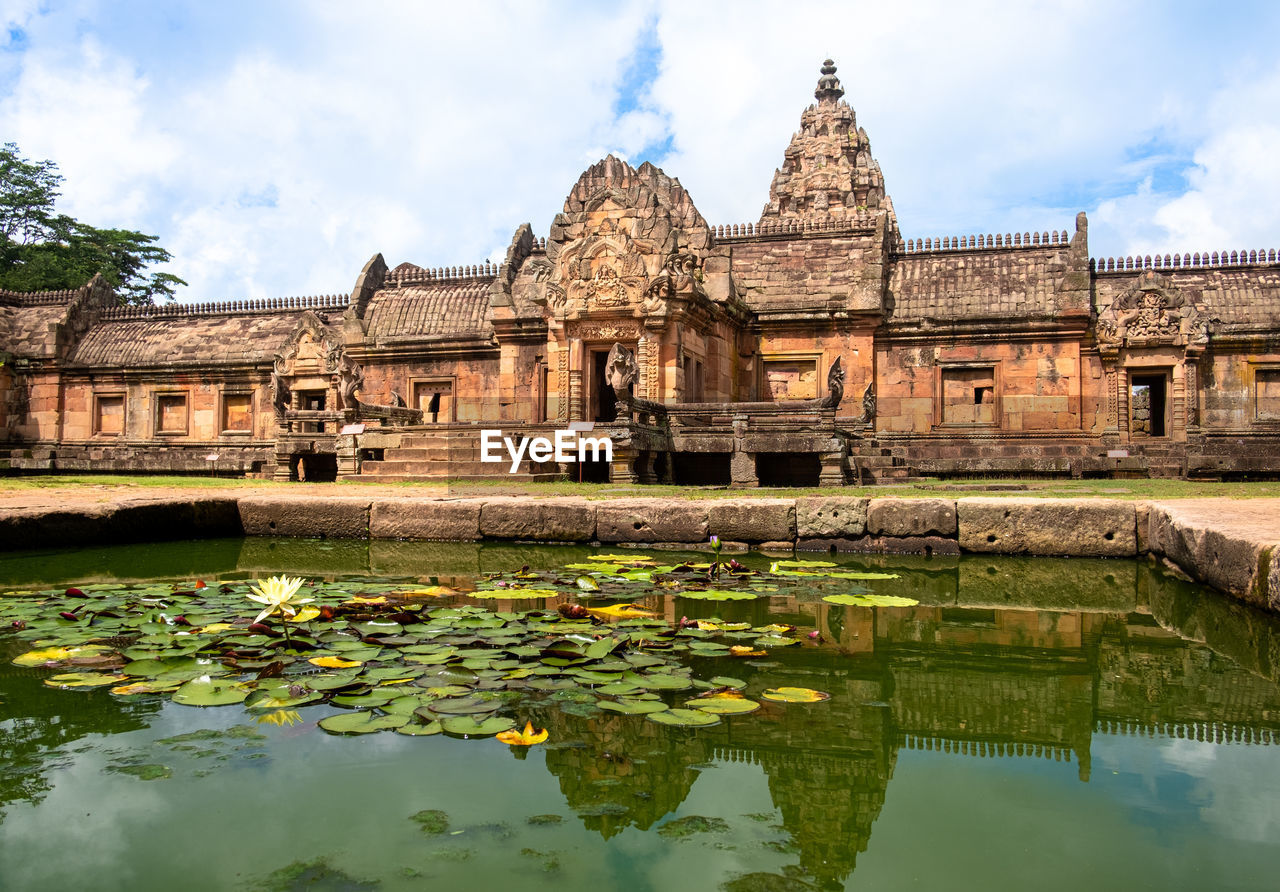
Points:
[[828, 174], [829, 89]]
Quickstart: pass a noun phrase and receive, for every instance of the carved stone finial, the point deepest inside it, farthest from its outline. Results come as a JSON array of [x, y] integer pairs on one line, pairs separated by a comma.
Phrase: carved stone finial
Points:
[[829, 89]]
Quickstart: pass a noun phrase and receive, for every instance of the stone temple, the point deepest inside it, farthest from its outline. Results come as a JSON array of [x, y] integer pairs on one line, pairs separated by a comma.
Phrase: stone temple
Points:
[[817, 345]]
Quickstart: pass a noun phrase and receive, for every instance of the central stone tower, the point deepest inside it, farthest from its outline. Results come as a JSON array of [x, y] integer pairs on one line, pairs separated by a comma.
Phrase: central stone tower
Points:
[[827, 173]]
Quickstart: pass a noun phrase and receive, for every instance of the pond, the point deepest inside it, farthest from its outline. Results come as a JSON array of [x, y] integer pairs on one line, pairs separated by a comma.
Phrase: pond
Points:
[[1027, 724]]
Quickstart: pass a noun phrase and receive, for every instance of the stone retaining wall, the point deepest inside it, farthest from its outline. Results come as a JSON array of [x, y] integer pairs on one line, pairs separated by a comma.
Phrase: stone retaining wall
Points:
[[1226, 545]]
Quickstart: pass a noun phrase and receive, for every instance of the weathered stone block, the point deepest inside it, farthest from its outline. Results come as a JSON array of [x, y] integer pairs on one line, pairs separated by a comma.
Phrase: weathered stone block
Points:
[[834, 517], [548, 520], [326, 518], [1224, 544], [911, 517], [753, 520], [442, 521], [1075, 527], [652, 520]]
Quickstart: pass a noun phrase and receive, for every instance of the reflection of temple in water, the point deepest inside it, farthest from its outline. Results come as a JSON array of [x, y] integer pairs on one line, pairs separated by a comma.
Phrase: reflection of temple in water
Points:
[[959, 676]]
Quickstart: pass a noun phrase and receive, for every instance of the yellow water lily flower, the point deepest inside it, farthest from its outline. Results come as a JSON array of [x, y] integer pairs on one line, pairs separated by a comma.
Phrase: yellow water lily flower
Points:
[[527, 737], [278, 594]]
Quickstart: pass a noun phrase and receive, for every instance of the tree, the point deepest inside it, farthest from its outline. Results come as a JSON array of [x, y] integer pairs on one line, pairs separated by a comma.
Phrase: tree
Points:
[[43, 250]]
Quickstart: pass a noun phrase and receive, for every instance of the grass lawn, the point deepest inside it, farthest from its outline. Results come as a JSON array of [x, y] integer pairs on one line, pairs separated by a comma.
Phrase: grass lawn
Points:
[[1057, 488]]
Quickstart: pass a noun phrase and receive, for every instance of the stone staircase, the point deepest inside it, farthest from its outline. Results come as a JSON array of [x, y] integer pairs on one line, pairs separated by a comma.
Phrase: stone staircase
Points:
[[447, 455]]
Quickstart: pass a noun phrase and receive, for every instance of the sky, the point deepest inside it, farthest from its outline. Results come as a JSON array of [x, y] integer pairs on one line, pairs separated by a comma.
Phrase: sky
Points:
[[274, 147]]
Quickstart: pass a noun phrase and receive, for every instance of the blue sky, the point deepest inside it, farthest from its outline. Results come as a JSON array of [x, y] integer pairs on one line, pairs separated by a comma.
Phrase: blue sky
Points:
[[275, 147]]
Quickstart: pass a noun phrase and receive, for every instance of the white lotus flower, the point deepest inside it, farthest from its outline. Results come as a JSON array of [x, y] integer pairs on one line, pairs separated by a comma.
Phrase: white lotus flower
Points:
[[278, 594]]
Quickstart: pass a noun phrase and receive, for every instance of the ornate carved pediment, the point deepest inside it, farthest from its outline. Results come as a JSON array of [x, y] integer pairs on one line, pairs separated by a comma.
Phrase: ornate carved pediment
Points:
[[313, 348], [604, 270], [1151, 312]]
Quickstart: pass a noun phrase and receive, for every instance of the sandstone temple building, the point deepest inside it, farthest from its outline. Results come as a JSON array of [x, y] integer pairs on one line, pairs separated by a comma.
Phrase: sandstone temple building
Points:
[[817, 345]]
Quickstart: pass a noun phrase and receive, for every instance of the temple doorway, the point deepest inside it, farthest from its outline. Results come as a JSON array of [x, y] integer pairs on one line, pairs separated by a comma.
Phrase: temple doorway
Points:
[[1148, 405], [603, 402]]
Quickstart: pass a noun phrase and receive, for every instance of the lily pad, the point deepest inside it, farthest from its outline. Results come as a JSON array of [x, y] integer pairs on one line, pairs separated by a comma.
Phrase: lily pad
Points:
[[466, 726], [795, 695], [361, 722], [413, 729], [723, 703], [871, 600], [205, 691], [684, 718], [717, 594], [627, 706]]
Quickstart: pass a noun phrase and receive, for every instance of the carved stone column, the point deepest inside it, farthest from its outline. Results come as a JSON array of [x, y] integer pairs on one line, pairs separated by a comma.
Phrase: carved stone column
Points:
[[742, 464], [577, 411]]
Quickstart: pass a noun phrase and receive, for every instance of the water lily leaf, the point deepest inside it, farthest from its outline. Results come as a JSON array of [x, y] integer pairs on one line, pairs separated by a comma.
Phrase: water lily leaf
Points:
[[466, 726], [726, 681], [715, 594], [602, 648], [405, 705], [280, 697], [205, 691], [723, 703], [361, 722], [464, 705], [859, 575], [305, 614], [602, 567], [331, 681], [773, 568], [430, 591], [685, 718], [620, 611], [629, 706], [333, 662], [414, 729], [52, 656], [143, 687], [363, 701], [84, 680], [775, 641], [623, 558], [587, 584], [514, 593], [795, 695], [871, 600], [664, 682]]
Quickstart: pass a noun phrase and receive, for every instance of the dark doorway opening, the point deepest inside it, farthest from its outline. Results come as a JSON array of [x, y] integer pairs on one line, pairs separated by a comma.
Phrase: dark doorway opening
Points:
[[788, 468], [594, 470], [1148, 405], [314, 468], [604, 402], [701, 468]]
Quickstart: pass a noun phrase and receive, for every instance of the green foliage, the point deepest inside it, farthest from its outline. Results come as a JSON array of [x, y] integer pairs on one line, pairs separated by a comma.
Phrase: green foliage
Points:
[[43, 250]]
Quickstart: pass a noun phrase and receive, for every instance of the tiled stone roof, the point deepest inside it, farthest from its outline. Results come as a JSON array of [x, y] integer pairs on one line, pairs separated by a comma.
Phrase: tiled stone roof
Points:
[[25, 330], [1016, 283], [452, 308], [185, 340]]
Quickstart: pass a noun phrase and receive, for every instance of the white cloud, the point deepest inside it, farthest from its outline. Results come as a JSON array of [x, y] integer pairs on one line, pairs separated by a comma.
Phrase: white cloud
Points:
[[274, 149]]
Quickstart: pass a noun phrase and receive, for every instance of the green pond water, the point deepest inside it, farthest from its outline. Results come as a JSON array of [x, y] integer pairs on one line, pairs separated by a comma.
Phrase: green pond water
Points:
[[1037, 724]]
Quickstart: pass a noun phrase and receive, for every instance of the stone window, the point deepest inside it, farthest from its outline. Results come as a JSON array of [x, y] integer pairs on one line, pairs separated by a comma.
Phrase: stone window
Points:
[[171, 413], [435, 399], [108, 414], [1266, 394], [969, 395], [790, 378], [237, 413]]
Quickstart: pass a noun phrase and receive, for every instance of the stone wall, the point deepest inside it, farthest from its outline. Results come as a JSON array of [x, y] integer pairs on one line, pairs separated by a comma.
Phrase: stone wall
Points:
[[1229, 546]]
